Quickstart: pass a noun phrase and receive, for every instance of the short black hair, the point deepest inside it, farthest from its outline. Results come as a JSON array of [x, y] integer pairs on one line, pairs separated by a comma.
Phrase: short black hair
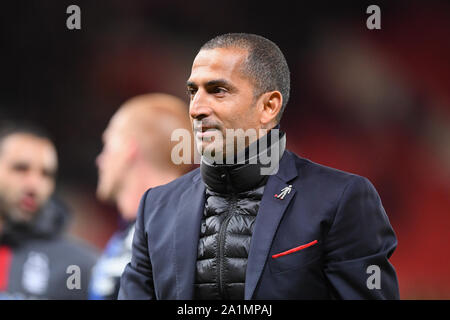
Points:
[[265, 64], [8, 128]]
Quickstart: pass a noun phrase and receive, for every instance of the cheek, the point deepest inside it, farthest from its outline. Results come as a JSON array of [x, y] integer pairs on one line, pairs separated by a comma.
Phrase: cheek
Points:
[[113, 164], [11, 183], [4, 189], [46, 190], [244, 120], [232, 116], [247, 114], [109, 158], [10, 191]]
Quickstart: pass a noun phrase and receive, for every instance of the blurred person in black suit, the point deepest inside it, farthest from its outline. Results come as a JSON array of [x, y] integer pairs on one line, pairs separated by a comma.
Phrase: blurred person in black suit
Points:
[[36, 258], [136, 156]]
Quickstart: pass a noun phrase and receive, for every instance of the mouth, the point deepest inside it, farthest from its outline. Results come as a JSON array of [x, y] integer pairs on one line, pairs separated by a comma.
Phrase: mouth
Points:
[[203, 128], [208, 135], [28, 203], [202, 132]]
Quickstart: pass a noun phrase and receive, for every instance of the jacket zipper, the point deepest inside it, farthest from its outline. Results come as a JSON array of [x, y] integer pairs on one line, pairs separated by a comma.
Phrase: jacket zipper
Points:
[[221, 246]]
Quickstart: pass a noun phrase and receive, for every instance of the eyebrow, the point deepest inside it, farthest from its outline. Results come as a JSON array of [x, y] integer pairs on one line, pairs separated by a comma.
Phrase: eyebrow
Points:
[[190, 84], [212, 83]]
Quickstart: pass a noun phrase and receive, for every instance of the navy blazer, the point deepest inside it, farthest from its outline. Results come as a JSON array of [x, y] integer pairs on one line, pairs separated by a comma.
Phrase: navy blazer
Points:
[[329, 238]]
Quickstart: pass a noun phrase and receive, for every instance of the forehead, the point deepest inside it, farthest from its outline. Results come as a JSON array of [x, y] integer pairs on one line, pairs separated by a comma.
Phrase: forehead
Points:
[[28, 148], [219, 63], [117, 126]]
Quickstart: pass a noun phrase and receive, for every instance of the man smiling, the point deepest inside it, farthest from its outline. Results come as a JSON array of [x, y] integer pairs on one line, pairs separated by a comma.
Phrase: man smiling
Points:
[[228, 231]]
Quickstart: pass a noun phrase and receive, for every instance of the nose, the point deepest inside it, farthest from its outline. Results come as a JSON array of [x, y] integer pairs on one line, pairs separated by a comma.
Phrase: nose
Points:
[[200, 105], [34, 181]]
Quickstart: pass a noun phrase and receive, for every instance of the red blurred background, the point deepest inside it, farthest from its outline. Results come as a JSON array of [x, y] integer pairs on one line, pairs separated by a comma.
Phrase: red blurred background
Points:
[[371, 102]]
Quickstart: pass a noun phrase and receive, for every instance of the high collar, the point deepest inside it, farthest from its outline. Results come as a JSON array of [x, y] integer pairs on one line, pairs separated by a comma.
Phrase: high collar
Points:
[[235, 178], [49, 222]]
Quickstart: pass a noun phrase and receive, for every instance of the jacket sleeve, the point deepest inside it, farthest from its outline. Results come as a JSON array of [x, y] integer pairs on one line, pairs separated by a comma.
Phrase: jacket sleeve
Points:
[[136, 282], [359, 244]]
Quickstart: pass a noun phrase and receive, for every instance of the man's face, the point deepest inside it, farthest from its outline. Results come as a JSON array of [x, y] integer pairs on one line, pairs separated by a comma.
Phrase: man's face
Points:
[[111, 161], [221, 96], [28, 166]]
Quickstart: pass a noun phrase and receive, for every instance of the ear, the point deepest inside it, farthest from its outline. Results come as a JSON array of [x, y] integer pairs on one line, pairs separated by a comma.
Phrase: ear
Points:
[[272, 102]]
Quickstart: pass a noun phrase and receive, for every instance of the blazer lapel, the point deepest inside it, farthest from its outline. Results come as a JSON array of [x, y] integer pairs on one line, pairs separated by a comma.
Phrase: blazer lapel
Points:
[[270, 212], [190, 211]]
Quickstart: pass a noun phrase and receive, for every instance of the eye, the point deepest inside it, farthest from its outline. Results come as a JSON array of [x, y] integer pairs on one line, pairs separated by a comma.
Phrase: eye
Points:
[[219, 91], [191, 92], [20, 167]]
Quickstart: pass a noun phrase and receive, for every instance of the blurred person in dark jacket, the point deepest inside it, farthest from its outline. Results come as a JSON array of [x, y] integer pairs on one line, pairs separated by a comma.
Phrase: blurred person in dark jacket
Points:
[[37, 260], [136, 156]]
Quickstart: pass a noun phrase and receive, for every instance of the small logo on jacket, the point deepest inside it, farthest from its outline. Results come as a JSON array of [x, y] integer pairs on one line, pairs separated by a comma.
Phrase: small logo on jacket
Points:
[[36, 273], [284, 192]]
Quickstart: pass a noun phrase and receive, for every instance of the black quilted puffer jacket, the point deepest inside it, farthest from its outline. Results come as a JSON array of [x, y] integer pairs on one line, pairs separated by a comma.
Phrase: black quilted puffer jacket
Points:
[[233, 195], [226, 231]]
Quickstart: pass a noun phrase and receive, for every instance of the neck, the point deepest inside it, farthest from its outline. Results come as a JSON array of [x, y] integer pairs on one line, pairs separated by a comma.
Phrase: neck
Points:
[[250, 173]]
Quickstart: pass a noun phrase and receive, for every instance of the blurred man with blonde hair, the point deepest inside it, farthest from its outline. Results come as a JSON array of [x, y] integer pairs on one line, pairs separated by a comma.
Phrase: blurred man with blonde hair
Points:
[[136, 156]]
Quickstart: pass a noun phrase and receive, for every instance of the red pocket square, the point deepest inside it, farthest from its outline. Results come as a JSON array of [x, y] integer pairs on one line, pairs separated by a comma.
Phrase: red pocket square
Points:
[[303, 246]]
